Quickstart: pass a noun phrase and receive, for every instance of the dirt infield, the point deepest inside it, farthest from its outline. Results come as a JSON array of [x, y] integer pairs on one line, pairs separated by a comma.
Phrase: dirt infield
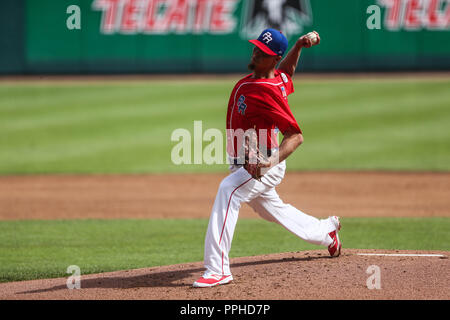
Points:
[[300, 76], [305, 275], [347, 194]]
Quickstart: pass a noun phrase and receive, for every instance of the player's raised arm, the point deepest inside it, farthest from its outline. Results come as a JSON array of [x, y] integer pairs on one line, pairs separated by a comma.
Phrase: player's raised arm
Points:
[[290, 62]]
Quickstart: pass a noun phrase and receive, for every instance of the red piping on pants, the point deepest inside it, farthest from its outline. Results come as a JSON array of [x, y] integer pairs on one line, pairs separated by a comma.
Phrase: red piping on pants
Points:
[[226, 214]]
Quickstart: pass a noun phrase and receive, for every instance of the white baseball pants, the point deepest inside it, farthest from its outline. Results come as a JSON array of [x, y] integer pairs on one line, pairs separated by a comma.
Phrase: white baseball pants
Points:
[[239, 187]]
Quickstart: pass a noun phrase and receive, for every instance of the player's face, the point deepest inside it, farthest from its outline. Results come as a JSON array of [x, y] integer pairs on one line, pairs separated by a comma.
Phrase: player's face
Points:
[[261, 61]]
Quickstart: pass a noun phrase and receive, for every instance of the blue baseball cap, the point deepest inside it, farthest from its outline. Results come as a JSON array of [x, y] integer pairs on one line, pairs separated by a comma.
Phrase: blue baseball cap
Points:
[[272, 42]]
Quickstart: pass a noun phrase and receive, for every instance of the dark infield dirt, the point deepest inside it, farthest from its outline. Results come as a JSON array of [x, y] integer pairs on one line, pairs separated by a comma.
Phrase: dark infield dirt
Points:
[[290, 276]]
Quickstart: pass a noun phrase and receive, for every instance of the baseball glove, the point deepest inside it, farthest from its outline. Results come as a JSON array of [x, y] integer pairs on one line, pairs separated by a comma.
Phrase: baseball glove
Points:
[[254, 159]]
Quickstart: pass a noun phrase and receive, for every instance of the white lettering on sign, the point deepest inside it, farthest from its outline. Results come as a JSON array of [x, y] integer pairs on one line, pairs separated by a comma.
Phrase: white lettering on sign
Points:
[[167, 16], [416, 14]]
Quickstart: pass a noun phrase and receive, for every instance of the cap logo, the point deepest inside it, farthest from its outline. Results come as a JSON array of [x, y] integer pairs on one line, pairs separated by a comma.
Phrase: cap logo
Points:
[[267, 37]]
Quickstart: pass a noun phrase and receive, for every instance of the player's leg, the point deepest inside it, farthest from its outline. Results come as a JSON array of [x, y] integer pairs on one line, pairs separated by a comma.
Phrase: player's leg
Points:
[[316, 231], [257, 206], [222, 222], [236, 188]]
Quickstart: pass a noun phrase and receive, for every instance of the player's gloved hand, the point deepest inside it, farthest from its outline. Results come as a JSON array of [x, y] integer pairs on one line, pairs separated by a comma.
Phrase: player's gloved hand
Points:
[[254, 159], [254, 167]]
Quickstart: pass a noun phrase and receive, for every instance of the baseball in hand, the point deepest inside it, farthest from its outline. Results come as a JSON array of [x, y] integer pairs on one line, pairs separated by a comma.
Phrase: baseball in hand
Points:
[[314, 37]]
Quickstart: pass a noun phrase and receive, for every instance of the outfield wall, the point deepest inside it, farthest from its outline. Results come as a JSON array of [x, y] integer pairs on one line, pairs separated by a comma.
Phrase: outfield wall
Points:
[[201, 36]]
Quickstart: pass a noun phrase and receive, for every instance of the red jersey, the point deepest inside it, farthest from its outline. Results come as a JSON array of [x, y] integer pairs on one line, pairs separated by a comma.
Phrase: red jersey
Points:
[[260, 104]]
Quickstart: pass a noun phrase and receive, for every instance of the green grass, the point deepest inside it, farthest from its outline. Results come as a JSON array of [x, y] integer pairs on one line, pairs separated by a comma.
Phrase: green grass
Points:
[[126, 127], [35, 249]]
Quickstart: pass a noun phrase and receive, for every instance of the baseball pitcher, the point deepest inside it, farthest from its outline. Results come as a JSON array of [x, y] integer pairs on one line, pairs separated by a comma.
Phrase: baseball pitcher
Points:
[[257, 110]]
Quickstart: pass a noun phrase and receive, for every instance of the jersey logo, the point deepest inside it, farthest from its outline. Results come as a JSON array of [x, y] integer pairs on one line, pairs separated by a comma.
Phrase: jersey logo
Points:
[[283, 91], [284, 77], [241, 105]]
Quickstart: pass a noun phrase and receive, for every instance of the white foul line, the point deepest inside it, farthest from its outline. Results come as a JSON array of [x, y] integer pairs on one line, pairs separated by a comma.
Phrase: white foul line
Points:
[[400, 255]]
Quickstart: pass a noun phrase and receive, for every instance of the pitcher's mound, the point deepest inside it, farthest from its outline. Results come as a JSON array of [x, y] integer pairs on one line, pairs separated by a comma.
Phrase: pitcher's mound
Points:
[[289, 276]]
